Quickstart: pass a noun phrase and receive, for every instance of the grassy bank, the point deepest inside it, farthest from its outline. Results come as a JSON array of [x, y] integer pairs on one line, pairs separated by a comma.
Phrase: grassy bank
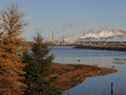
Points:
[[66, 76]]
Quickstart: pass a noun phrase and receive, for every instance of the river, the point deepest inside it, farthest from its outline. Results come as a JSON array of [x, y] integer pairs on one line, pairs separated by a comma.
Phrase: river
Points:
[[98, 85]]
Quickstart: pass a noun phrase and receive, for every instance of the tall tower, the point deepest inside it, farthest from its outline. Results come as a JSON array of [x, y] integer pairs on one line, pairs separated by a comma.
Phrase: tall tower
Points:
[[53, 36]]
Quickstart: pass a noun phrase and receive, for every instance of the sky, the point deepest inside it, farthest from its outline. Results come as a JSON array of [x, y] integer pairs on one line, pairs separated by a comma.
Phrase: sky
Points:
[[69, 17]]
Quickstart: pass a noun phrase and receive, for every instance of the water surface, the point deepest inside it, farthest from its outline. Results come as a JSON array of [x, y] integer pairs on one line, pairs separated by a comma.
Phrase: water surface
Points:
[[99, 85]]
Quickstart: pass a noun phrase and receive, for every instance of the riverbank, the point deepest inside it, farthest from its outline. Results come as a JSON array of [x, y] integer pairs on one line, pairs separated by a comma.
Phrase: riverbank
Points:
[[102, 46], [66, 76]]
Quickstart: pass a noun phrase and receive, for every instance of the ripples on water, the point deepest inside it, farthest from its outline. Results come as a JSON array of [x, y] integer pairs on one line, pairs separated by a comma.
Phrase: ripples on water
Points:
[[96, 85]]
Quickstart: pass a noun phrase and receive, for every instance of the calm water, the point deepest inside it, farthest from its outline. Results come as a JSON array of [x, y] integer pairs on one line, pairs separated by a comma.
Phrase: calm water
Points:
[[99, 85]]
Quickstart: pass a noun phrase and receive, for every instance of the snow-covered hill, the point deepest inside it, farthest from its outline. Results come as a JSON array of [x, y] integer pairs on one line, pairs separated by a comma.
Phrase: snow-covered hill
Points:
[[105, 34], [101, 35]]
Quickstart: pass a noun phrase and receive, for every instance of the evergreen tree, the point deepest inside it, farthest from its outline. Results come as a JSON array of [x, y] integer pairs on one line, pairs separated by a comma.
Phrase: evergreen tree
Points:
[[39, 62], [11, 67]]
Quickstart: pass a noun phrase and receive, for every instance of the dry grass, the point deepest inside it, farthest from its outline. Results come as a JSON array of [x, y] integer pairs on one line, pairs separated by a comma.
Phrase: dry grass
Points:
[[65, 76]]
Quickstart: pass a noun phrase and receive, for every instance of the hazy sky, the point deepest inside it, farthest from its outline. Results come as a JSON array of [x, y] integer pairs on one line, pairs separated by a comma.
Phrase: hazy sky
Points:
[[70, 17]]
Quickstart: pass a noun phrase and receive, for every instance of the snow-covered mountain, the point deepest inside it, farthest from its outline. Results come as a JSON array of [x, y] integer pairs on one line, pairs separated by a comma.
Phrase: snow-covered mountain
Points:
[[105, 35], [101, 35]]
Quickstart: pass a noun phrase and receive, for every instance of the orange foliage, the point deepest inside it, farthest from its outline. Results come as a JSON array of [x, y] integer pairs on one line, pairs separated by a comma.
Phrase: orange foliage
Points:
[[11, 66]]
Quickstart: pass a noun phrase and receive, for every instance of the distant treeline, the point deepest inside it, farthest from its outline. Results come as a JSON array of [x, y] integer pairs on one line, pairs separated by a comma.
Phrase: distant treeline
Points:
[[121, 46]]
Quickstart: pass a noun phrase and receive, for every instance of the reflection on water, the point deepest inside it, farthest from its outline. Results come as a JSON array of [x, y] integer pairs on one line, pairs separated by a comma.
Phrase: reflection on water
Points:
[[100, 85], [119, 61]]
